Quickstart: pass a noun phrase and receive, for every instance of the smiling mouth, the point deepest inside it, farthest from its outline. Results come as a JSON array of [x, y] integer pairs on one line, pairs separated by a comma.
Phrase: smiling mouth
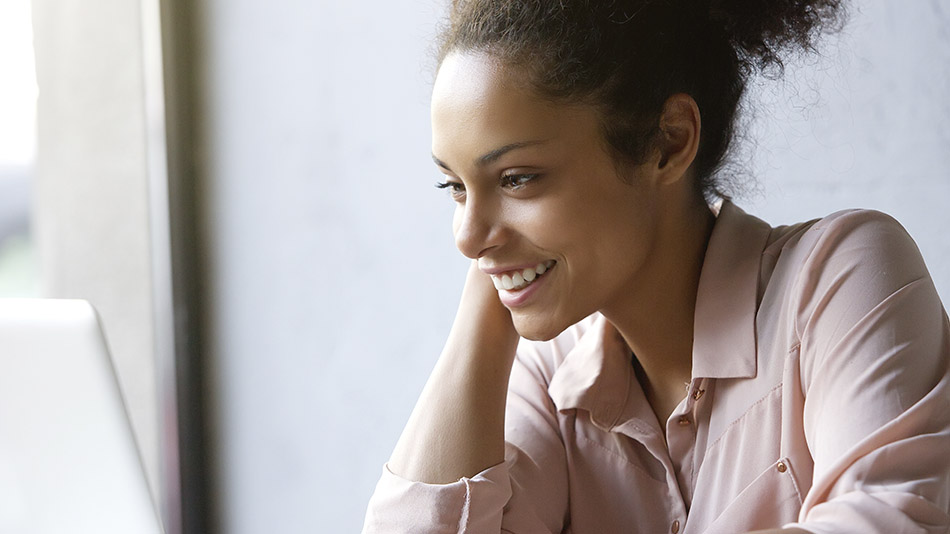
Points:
[[516, 280]]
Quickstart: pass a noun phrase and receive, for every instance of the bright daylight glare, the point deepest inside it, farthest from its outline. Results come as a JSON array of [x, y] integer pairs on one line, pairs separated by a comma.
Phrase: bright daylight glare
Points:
[[18, 92]]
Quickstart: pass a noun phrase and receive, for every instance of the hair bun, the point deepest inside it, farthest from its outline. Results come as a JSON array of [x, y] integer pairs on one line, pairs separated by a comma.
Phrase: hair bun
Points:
[[763, 31]]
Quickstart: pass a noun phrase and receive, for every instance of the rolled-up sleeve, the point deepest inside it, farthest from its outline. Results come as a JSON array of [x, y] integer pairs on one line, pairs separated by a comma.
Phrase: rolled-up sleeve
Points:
[[526, 493], [875, 353], [470, 505]]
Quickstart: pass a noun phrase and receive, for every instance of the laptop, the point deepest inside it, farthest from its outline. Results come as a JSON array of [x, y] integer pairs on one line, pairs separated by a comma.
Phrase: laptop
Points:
[[68, 460]]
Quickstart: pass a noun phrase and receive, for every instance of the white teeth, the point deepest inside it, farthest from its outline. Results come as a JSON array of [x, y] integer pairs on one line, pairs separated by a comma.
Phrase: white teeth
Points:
[[519, 280]]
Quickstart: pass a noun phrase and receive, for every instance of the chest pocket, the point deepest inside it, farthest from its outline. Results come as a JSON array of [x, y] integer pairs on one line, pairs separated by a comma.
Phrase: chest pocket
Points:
[[771, 500]]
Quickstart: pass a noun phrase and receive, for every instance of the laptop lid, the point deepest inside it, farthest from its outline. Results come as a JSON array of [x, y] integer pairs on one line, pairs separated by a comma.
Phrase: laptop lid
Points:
[[68, 460]]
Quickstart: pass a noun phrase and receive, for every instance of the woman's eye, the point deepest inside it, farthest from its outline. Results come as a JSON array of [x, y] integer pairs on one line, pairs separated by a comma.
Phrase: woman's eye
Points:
[[456, 189], [516, 181]]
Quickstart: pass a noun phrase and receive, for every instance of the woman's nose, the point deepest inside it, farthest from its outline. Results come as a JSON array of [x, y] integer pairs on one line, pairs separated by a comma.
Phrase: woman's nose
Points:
[[477, 229]]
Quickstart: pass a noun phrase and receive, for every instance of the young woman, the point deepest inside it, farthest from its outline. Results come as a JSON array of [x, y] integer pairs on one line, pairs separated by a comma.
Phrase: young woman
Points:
[[626, 358]]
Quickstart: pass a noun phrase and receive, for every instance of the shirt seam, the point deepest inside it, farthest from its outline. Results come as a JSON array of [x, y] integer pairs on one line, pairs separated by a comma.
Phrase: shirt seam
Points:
[[466, 508], [791, 474], [621, 457], [741, 417]]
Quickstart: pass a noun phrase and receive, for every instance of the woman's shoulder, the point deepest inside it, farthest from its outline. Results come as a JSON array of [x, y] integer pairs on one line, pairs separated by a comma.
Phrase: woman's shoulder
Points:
[[854, 225], [839, 268], [862, 241]]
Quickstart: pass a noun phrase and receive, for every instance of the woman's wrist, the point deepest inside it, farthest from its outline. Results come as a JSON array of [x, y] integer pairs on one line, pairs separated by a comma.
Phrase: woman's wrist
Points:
[[482, 325]]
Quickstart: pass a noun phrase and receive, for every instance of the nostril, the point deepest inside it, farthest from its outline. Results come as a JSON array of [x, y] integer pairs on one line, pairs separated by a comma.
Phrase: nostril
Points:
[[469, 244], [476, 232]]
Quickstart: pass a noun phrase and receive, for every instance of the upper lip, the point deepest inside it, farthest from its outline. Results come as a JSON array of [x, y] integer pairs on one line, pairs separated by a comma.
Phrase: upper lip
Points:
[[510, 268]]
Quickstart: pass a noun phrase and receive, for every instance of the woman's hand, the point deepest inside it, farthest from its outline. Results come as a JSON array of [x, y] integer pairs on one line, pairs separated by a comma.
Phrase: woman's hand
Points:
[[482, 320], [458, 426]]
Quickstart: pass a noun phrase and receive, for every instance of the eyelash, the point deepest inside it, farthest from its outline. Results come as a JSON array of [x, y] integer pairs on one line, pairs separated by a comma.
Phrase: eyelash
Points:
[[510, 181], [456, 189]]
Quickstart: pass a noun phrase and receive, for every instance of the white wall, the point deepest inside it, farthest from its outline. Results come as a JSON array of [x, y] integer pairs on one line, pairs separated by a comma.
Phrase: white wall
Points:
[[334, 277]]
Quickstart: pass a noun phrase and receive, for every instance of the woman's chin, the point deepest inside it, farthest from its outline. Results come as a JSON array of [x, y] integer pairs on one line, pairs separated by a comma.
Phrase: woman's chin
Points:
[[537, 328]]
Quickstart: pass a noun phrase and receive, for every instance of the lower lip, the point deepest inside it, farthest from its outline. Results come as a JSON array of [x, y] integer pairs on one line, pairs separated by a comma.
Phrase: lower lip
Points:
[[516, 299]]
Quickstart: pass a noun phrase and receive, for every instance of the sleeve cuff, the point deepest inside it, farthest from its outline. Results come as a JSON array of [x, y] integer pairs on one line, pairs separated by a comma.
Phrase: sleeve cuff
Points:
[[470, 505]]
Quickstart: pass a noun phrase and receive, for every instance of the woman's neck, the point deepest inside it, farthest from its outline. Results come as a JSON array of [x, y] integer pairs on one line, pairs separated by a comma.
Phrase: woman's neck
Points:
[[656, 317]]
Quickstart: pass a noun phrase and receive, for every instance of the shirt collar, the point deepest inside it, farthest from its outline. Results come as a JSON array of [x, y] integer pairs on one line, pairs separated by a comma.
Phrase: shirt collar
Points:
[[727, 299], [597, 374]]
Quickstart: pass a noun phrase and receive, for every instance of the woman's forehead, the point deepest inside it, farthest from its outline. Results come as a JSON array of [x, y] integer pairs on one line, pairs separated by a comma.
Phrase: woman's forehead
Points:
[[470, 83], [478, 104]]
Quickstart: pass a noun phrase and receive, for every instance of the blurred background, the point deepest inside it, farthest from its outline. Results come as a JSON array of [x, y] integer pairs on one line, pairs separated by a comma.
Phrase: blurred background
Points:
[[244, 191]]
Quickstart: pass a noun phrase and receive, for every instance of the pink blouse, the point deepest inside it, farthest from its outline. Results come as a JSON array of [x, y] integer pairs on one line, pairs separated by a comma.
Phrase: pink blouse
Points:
[[820, 398]]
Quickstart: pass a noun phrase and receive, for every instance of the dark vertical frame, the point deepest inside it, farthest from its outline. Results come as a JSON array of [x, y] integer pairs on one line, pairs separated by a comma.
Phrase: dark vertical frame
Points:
[[182, 73]]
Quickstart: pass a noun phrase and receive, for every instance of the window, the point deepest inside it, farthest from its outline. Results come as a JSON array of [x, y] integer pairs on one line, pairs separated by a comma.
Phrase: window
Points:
[[19, 276]]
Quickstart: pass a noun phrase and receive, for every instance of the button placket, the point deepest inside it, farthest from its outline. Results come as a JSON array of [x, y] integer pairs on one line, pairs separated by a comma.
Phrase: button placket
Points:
[[681, 441]]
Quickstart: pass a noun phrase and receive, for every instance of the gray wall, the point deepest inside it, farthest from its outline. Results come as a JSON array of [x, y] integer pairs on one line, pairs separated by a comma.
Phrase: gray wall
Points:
[[334, 276]]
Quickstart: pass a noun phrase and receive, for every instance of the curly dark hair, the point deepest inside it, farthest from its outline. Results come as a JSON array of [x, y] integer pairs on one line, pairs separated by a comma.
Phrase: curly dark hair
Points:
[[627, 57]]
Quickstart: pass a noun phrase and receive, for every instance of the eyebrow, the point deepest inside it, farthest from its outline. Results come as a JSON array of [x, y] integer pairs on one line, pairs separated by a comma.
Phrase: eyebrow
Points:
[[490, 157]]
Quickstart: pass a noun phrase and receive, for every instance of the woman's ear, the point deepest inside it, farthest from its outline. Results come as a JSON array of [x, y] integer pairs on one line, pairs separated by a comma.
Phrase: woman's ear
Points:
[[678, 140]]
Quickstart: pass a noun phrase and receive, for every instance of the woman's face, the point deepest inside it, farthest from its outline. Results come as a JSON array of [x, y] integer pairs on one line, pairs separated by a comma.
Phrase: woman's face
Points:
[[540, 202]]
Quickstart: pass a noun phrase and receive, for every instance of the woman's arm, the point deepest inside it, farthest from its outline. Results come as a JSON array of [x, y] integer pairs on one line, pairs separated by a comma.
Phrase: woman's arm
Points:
[[457, 428], [875, 363], [455, 469]]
